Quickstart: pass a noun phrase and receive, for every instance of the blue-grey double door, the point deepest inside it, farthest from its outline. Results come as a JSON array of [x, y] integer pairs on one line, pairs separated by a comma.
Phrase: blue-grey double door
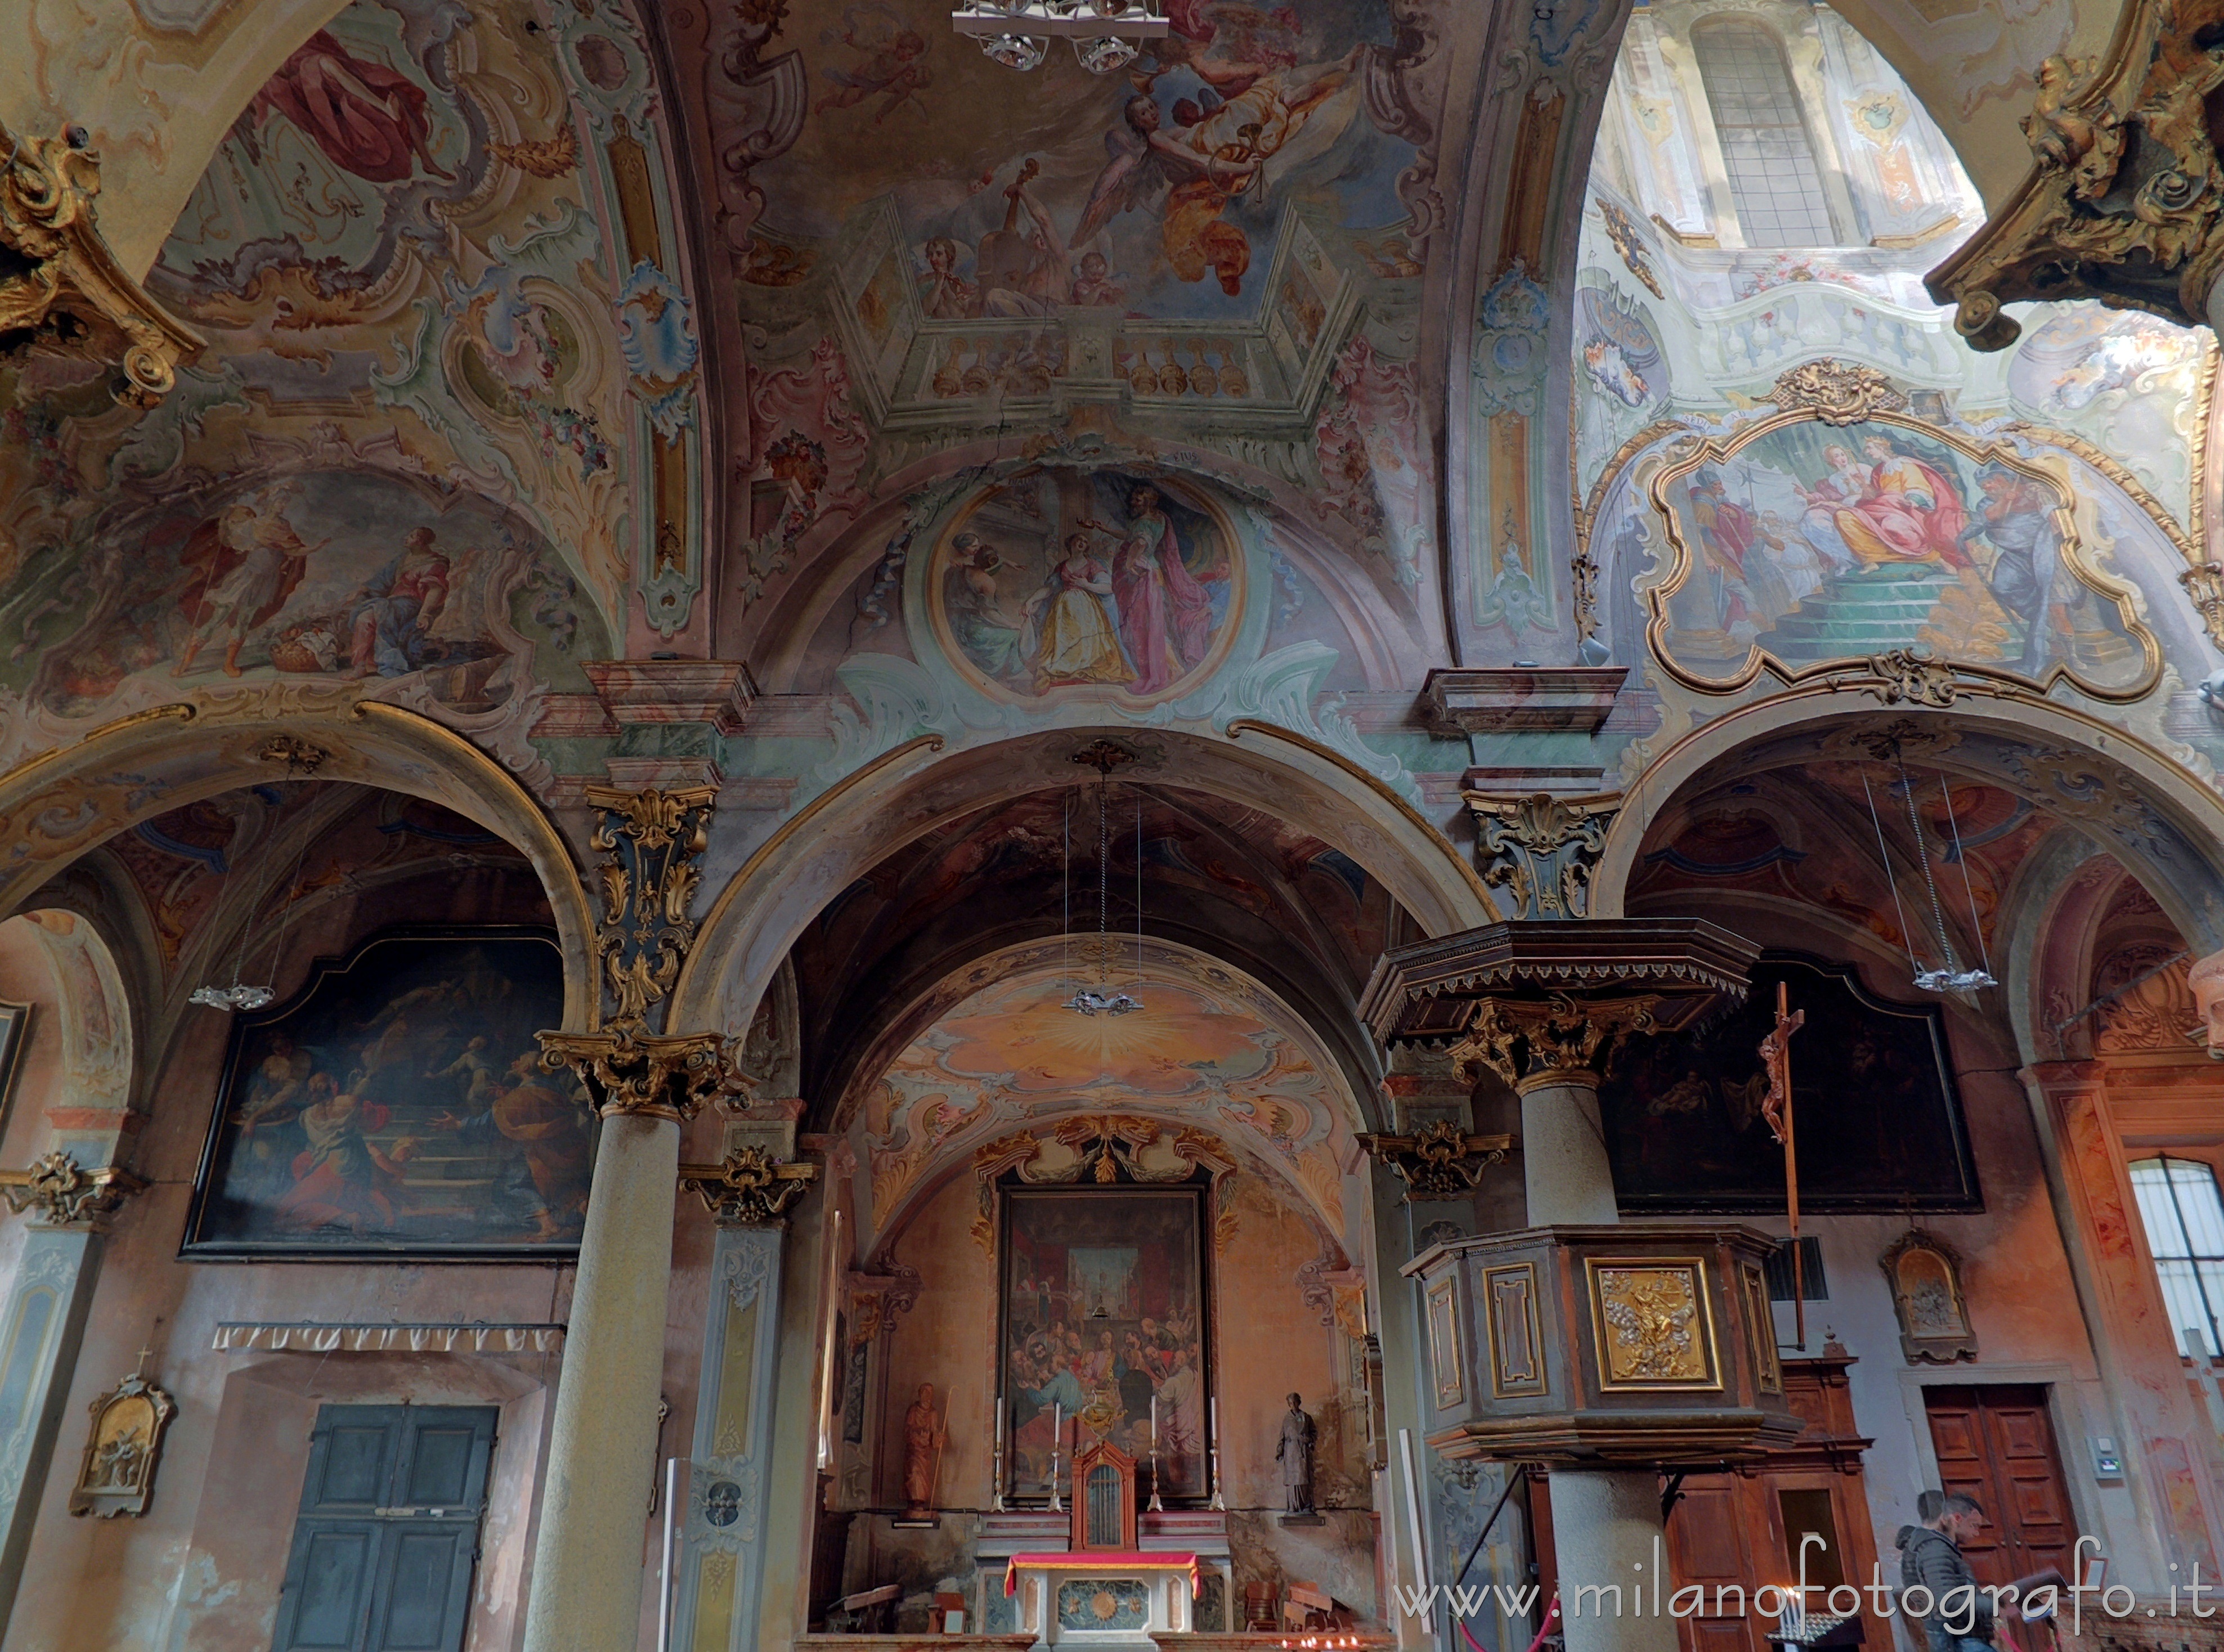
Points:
[[389, 1529]]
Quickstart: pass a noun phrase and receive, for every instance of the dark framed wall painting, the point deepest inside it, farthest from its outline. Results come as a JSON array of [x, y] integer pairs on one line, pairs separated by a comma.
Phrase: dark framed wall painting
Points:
[[395, 1106], [1876, 1117], [1103, 1308]]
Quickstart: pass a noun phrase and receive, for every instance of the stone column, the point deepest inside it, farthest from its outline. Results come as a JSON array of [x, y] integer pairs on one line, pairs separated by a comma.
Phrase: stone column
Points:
[[723, 1569], [1606, 1530], [2166, 1462], [41, 1326], [586, 1566]]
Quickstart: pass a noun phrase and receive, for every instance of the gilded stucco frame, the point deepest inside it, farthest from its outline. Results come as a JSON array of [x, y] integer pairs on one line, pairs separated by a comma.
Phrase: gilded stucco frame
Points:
[[1682, 564], [1701, 1278]]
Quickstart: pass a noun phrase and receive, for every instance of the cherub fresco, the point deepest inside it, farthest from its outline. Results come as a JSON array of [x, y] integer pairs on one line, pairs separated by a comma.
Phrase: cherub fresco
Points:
[[1133, 589], [1159, 190]]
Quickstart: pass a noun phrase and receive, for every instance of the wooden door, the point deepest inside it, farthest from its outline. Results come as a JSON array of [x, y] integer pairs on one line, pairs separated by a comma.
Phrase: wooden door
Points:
[[1718, 1533], [387, 1533], [1995, 1443]]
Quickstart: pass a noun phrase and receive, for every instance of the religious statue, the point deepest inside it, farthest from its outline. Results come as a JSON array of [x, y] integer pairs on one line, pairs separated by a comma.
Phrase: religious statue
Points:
[[924, 1434], [1295, 1453]]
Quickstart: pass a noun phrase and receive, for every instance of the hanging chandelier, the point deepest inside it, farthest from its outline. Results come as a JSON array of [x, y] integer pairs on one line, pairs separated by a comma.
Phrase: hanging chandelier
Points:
[[1953, 974], [1105, 32], [1103, 756]]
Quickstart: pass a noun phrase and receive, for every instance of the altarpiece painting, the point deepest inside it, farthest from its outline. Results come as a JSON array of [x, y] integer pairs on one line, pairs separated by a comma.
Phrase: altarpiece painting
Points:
[[1103, 1312], [1878, 1119], [397, 1105]]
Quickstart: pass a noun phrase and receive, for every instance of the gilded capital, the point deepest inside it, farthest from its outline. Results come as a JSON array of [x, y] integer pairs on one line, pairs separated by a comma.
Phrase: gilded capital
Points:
[[630, 1073], [1439, 1160], [748, 1187], [1560, 1040], [1540, 850], [59, 1192], [62, 289]]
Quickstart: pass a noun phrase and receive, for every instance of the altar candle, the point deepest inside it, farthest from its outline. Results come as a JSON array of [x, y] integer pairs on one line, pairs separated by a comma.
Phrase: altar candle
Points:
[[1057, 1425], [1000, 1419], [1215, 1417], [1154, 1422]]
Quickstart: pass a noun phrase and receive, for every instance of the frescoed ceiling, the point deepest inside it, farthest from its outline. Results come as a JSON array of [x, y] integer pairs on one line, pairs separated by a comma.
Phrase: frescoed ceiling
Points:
[[1210, 1051], [893, 950]]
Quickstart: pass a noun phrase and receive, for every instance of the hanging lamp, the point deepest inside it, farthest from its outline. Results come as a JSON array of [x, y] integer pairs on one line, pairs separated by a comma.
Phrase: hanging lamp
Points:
[[1949, 976], [1103, 756]]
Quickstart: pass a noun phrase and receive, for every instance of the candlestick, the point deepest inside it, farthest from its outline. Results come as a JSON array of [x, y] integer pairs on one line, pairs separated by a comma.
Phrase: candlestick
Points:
[[996, 1469], [1218, 1501], [1056, 1445], [1156, 1507]]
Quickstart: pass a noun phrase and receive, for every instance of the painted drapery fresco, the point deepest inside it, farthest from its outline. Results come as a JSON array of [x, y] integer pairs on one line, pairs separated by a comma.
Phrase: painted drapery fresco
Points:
[[1066, 578], [1878, 1121], [397, 1106], [1103, 1293], [1809, 542], [1160, 192]]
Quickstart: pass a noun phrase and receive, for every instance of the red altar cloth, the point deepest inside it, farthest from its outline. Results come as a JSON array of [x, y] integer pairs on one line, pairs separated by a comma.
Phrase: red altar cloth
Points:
[[1105, 1560]]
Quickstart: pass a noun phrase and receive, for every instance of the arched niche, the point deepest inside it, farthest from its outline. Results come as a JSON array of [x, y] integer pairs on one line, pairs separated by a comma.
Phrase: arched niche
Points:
[[908, 791], [70, 1072], [2108, 786], [56, 808]]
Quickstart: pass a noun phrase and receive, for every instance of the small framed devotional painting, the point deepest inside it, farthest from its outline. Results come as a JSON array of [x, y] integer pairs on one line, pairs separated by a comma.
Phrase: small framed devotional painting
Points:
[[396, 1106]]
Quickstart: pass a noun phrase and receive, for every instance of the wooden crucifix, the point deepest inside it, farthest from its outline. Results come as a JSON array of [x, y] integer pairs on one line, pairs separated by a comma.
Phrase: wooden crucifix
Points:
[[1776, 1108]]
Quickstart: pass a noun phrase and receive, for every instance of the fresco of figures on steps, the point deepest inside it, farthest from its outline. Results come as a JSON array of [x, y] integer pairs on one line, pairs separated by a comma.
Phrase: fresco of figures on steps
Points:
[[1816, 541], [398, 1105], [1156, 192]]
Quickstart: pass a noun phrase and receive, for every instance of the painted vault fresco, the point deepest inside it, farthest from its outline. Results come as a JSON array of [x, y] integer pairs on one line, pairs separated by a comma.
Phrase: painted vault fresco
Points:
[[1209, 1051], [1159, 193], [331, 576], [1805, 542], [397, 1105], [1078, 579]]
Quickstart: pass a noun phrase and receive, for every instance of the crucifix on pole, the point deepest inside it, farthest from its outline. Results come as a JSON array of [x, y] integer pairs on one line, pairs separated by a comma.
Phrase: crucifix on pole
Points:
[[1776, 1108]]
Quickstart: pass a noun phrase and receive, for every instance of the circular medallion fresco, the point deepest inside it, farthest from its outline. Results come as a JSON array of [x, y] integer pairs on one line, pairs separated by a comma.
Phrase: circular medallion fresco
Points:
[[1099, 580]]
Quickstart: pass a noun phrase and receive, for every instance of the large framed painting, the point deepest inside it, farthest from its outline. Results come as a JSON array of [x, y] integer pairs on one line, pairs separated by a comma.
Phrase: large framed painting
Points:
[[1877, 1118], [1102, 1314], [395, 1106]]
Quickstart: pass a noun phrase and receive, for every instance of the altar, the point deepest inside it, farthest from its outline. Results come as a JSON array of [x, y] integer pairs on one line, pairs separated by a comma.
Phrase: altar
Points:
[[1120, 1597]]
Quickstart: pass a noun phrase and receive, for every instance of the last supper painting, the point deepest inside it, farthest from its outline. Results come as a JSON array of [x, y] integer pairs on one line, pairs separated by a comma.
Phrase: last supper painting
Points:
[[1102, 1334]]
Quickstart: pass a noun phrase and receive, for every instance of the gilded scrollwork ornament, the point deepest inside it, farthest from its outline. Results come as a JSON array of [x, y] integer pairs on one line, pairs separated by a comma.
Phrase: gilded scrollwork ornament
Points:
[[62, 1193], [2123, 202], [62, 288], [1540, 849], [1555, 1040], [1837, 392], [1904, 677], [748, 1187], [653, 839], [1439, 1160], [2204, 583]]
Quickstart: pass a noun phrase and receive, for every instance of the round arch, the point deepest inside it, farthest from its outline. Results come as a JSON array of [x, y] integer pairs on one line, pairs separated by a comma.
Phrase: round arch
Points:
[[918, 786], [1225, 1056], [65, 803], [2163, 824]]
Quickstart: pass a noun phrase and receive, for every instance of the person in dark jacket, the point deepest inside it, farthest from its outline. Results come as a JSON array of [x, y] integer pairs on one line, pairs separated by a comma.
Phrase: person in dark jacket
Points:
[[1959, 1618]]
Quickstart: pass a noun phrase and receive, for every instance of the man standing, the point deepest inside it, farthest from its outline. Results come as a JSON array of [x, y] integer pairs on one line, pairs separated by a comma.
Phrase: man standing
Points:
[[1959, 1618]]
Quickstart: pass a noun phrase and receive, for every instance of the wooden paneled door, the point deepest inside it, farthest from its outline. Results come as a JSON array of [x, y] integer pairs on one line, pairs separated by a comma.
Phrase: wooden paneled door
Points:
[[1995, 1443]]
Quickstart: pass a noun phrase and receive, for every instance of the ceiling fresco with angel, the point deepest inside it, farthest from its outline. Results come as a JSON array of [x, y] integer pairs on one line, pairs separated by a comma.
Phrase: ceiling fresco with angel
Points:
[[1159, 190]]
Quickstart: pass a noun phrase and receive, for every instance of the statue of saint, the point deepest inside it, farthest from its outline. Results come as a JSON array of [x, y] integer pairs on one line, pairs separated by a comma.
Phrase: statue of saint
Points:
[[1295, 1453], [924, 1434]]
